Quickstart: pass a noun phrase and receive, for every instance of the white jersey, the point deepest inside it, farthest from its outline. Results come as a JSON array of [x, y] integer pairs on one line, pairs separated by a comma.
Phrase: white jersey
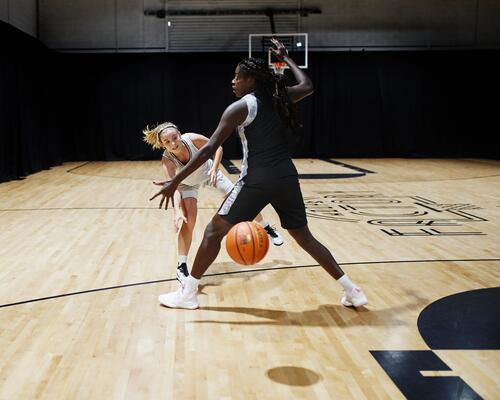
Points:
[[199, 176]]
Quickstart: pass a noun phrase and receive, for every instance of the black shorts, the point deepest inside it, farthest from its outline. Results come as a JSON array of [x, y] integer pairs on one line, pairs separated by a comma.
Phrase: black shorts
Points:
[[244, 202]]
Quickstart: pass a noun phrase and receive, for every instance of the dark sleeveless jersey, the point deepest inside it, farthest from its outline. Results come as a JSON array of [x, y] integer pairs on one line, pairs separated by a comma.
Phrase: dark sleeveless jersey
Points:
[[265, 151]]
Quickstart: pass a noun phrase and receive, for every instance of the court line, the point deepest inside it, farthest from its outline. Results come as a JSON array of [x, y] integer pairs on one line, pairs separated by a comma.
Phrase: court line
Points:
[[79, 166], [234, 170], [376, 182], [235, 273], [353, 167], [94, 208], [304, 178]]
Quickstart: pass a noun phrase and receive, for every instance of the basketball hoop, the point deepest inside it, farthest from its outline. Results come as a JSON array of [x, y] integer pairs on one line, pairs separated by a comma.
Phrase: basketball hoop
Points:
[[278, 67]]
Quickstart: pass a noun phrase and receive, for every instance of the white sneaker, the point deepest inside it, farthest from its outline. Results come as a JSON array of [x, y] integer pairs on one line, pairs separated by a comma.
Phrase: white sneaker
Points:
[[182, 298], [275, 236], [354, 298]]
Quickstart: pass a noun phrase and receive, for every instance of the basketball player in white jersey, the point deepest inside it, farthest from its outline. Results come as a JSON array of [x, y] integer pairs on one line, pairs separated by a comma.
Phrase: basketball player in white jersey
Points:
[[178, 151]]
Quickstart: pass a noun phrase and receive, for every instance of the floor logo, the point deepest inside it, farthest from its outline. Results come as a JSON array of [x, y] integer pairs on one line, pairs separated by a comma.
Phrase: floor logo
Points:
[[462, 321], [395, 215]]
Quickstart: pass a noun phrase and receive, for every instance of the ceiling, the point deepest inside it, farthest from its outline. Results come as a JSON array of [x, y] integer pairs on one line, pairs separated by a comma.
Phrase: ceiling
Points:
[[122, 26]]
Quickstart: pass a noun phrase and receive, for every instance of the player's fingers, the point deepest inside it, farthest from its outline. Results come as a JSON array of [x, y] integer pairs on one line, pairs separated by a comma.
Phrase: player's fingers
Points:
[[155, 196], [277, 53], [167, 200], [276, 42]]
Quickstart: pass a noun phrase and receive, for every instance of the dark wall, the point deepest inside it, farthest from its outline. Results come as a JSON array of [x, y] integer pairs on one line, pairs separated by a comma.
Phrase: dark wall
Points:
[[409, 104], [29, 134], [62, 107]]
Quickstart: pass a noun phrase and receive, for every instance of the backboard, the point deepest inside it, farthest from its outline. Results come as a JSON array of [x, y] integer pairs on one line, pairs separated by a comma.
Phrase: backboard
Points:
[[296, 44]]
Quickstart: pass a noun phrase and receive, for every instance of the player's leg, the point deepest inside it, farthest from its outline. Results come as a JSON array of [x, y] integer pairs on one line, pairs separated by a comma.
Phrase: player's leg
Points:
[[320, 253], [242, 204], [289, 205], [187, 296], [185, 237], [210, 245]]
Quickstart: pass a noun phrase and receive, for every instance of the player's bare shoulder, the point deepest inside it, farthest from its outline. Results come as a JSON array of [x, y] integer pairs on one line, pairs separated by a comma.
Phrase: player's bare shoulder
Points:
[[198, 140], [236, 112]]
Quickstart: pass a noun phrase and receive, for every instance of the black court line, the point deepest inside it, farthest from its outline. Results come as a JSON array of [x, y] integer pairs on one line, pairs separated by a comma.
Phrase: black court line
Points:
[[233, 170], [94, 208], [329, 176], [448, 179], [353, 167], [79, 166], [246, 271]]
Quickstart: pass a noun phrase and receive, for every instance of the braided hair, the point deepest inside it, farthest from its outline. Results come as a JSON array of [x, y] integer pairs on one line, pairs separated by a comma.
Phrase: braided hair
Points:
[[272, 86]]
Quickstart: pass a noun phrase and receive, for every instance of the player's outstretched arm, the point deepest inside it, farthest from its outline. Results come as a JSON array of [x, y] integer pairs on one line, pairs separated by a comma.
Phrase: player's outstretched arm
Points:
[[304, 86]]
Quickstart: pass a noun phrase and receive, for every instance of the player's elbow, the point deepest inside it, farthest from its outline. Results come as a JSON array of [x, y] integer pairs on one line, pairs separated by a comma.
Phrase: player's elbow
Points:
[[306, 89], [309, 88]]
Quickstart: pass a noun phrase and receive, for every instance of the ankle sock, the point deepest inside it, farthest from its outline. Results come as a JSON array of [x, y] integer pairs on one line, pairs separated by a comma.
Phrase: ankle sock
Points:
[[346, 283], [192, 283]]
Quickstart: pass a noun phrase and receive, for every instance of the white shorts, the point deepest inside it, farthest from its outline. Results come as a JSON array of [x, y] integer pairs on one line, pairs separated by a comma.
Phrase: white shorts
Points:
[[222, 184]]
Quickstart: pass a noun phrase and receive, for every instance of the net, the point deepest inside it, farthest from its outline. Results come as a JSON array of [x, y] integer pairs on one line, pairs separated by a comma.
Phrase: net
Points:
[[278, 67]]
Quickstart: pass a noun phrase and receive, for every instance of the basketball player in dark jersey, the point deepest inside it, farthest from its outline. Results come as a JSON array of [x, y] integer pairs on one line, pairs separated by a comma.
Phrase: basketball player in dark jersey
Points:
[[268, 175]]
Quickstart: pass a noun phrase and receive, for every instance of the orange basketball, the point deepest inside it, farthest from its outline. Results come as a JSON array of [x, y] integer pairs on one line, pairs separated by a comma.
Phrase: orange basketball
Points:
[[247, 243]]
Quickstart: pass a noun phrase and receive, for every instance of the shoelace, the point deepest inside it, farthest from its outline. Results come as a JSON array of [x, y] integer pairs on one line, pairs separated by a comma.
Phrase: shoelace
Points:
[[183, 269], [271, 231]]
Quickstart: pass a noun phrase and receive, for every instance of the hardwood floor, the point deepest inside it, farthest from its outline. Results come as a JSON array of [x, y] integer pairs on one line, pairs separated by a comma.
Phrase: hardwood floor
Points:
[[84, 256]]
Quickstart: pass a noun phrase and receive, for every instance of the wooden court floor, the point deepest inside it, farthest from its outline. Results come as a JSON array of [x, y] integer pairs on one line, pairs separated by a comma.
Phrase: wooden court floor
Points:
[[84, 256]]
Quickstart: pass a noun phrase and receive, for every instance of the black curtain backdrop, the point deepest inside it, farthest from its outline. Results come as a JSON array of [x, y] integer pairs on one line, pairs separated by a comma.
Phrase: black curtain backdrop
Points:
[[71, 107], [29, 132]]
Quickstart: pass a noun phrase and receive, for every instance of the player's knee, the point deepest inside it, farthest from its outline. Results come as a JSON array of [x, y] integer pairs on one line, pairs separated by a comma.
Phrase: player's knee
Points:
[[188, 228], [306, 242], [303, 237]]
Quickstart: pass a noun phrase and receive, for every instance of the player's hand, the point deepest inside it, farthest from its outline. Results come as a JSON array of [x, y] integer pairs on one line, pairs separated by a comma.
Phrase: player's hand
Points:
[[167, 192], [279, 49], [213, 177], [179, 219]]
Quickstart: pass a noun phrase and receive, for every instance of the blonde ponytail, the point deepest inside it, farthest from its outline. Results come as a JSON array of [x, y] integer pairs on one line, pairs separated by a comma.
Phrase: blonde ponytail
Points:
[[152, 135]]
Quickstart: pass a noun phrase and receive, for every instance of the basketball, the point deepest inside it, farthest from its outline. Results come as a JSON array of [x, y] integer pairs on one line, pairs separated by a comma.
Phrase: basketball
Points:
[[247, 243]]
